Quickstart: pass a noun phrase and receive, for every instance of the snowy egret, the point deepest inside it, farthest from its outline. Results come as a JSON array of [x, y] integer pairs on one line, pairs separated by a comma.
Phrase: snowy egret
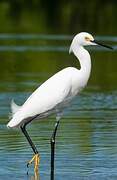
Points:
[[55, 94]]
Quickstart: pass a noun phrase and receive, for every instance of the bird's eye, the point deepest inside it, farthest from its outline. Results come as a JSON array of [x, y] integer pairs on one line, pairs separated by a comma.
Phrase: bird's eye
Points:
[[87, 38]]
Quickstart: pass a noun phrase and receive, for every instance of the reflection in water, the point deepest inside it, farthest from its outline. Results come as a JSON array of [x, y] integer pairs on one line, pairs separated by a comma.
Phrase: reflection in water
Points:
[[86, 146], [87, 137], [36, 176], [86, 142]]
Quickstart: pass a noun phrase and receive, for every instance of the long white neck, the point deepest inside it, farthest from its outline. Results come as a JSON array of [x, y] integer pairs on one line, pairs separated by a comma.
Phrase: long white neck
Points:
[[85, 61]]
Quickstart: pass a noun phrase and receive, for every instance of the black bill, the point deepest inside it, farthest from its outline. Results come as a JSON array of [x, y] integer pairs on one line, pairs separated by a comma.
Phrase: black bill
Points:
[[106, 46]]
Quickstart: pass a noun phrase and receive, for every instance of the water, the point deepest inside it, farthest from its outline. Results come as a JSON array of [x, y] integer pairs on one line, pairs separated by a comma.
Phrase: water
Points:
[[86, 146]]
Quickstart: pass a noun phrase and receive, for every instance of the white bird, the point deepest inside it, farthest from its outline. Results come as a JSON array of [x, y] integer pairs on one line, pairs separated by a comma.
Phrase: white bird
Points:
[[55, 93]]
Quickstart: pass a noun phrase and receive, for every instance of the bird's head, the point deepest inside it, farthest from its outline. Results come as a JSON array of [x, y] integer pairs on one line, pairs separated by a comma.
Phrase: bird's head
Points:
[[85, 39]]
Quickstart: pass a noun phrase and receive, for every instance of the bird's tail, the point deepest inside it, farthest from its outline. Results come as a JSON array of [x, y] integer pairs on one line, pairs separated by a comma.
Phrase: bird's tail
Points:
[[14, 109]]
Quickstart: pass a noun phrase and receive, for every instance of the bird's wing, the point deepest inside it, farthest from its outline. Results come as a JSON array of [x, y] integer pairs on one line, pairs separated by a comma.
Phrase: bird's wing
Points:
[[51, 93], [47, 96]]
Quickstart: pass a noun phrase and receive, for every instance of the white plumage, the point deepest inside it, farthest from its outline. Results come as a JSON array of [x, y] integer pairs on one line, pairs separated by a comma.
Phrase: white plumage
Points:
[[50, 97], [55, 93]]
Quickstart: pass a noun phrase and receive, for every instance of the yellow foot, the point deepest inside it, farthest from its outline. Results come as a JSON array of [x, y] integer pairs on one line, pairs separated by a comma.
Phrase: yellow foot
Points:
[[36, 160]]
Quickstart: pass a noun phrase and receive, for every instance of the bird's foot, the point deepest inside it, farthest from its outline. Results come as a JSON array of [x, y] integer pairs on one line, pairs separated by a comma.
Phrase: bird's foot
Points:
[[36, 159]]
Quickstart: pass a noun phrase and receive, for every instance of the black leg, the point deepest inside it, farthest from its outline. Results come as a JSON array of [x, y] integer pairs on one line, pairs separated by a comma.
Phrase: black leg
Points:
[[23, 128], [52, 141], [36, 157]]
